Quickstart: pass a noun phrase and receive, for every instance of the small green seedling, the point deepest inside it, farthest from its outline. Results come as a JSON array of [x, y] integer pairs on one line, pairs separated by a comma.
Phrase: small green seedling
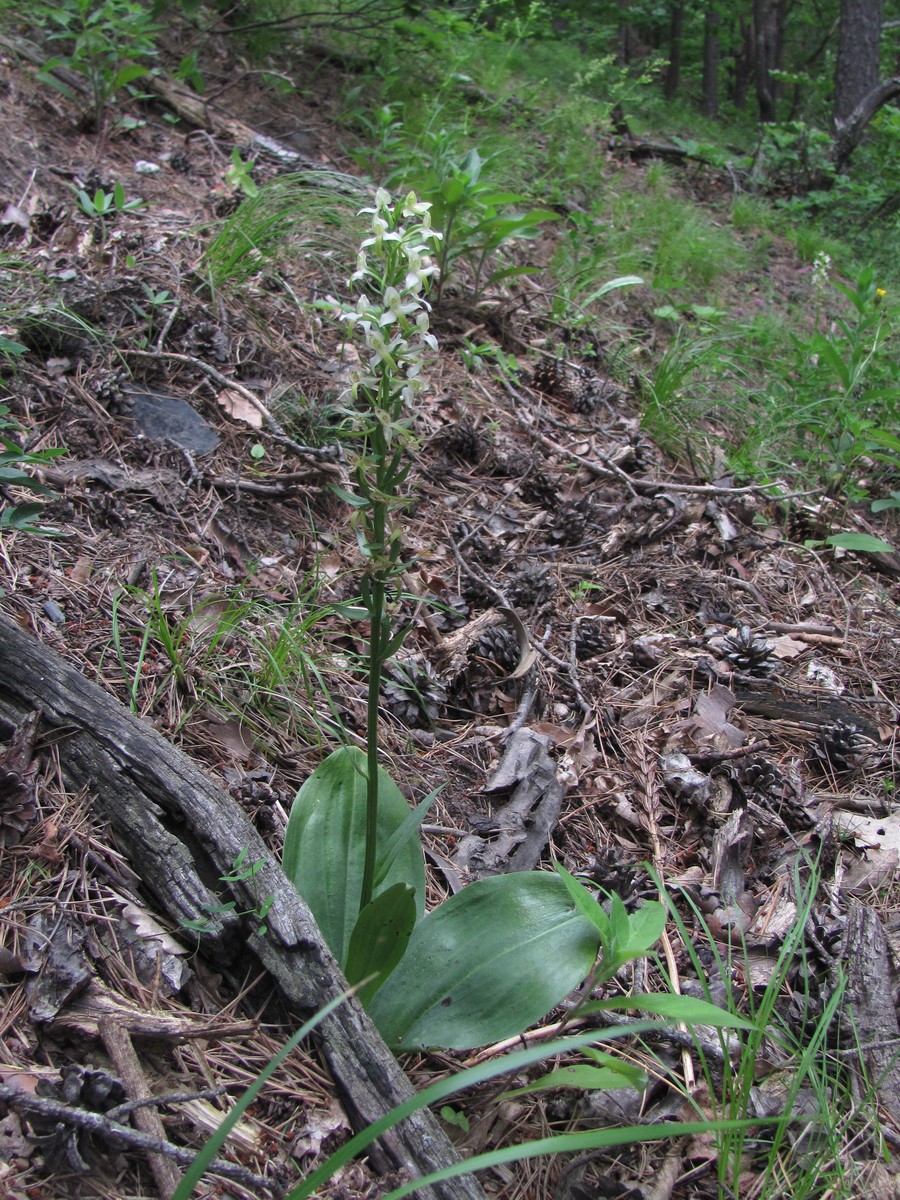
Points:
[[13, 458], [239, 175], [106, 204], [240, 872]]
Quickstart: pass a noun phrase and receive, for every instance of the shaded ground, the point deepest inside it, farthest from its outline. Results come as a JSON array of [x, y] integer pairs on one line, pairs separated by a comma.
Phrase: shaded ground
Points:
[[666, 617]]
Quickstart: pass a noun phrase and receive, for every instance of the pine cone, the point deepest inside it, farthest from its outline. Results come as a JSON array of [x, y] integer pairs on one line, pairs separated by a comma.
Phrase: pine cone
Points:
[[762, 778], [538, 487], [611, 873], [531, 585], [463, 442], [582, 389], [550, 376], [749, 654], [206, 340], [570, 522], [590, 640], [511, 464], [499, 645], [108, 390], [452, 614], [593, 391], [413, 692], [18, 806], [487, 552], [842, 746]]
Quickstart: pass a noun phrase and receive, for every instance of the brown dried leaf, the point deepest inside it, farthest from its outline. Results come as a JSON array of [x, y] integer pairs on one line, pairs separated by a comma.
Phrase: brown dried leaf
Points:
[[239, 408], [146, 926], [874, 871], [786, 647], [232, 736]]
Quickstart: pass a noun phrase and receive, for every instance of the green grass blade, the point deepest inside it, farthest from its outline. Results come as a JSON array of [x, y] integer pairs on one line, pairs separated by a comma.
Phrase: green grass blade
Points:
[[194, 1173], [449, 1087], [570, 1143]]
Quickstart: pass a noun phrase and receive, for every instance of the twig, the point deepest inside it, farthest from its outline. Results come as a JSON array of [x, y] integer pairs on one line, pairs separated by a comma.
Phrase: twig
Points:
[[165, 1099], [121, 1051], [322, 454], [170, 321], [97, 1123], [605, 468]]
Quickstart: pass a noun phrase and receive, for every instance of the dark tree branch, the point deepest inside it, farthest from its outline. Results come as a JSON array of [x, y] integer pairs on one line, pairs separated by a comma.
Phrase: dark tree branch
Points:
[[848, 133], [100, 1125], [180, 831]]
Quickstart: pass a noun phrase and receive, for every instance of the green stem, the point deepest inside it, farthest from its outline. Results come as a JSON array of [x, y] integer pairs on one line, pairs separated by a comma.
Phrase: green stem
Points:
[[376, 618], [379, 636]]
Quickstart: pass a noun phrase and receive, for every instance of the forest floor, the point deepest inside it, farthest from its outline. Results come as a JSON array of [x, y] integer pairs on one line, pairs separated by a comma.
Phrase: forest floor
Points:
[[719, 701]]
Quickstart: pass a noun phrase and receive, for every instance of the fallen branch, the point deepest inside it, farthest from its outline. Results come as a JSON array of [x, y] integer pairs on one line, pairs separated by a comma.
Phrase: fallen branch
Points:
[[101, 1125], [178, 829]]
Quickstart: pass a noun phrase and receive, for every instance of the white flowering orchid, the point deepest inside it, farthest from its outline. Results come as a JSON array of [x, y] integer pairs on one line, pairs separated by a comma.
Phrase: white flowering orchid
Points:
[[395, 259]]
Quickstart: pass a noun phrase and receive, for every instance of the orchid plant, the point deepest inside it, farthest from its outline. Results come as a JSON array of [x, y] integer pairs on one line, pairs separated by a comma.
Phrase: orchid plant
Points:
[[497, 956], [393, 270]]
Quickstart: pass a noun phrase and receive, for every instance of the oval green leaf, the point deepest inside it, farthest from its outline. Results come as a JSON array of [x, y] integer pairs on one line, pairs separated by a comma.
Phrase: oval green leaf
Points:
[[860, 541], [379, 938], [324, 846], [486, 964]]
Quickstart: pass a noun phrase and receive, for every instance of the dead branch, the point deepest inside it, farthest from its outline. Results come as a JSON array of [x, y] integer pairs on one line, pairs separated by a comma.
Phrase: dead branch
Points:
[[179, 830]]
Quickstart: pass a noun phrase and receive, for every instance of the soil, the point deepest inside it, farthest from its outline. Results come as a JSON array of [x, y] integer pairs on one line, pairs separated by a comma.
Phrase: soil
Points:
[[718, 701]]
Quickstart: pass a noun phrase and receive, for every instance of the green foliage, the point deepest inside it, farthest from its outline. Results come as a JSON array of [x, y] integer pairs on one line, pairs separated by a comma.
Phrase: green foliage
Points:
[[496, 957], [239, 175], [105, 204], [305, 214], [768, 1042], [324, 847], [101, 42], [245, 656], [819, 407], [486, 964], [20, 515], [240, 871], [841, 405], [472, 216]]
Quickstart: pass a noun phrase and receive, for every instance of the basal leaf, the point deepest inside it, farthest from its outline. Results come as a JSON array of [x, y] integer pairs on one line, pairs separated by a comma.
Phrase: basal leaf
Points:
[[324, 847], [486, 964], [860, 541], [379, 939]]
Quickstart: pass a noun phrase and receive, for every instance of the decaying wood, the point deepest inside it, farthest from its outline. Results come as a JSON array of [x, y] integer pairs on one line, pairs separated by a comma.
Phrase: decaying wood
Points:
[[123, 1057], [515, 837], [182, 834], [871, 983]]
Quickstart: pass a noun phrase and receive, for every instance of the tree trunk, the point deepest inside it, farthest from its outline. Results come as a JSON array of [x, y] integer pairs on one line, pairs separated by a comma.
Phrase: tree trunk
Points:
[[768, 25], [742, 66], [676, 31], [858, 55], [709, 104], [848, 133]]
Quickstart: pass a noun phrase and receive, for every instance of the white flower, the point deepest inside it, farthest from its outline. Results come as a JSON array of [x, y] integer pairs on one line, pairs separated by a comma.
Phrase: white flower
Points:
[[382, 356], [396, 308]]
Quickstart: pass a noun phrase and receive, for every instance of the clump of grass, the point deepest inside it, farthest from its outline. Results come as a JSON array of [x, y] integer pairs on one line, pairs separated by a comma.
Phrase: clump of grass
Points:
[[306, 215]]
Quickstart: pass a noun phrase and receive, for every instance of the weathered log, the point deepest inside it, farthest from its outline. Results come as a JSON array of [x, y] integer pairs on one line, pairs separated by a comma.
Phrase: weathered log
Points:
[[181, 834], [871, 988]]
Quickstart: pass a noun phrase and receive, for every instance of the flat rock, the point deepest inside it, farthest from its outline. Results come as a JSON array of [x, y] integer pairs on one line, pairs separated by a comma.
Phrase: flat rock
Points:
[[167, 418]]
